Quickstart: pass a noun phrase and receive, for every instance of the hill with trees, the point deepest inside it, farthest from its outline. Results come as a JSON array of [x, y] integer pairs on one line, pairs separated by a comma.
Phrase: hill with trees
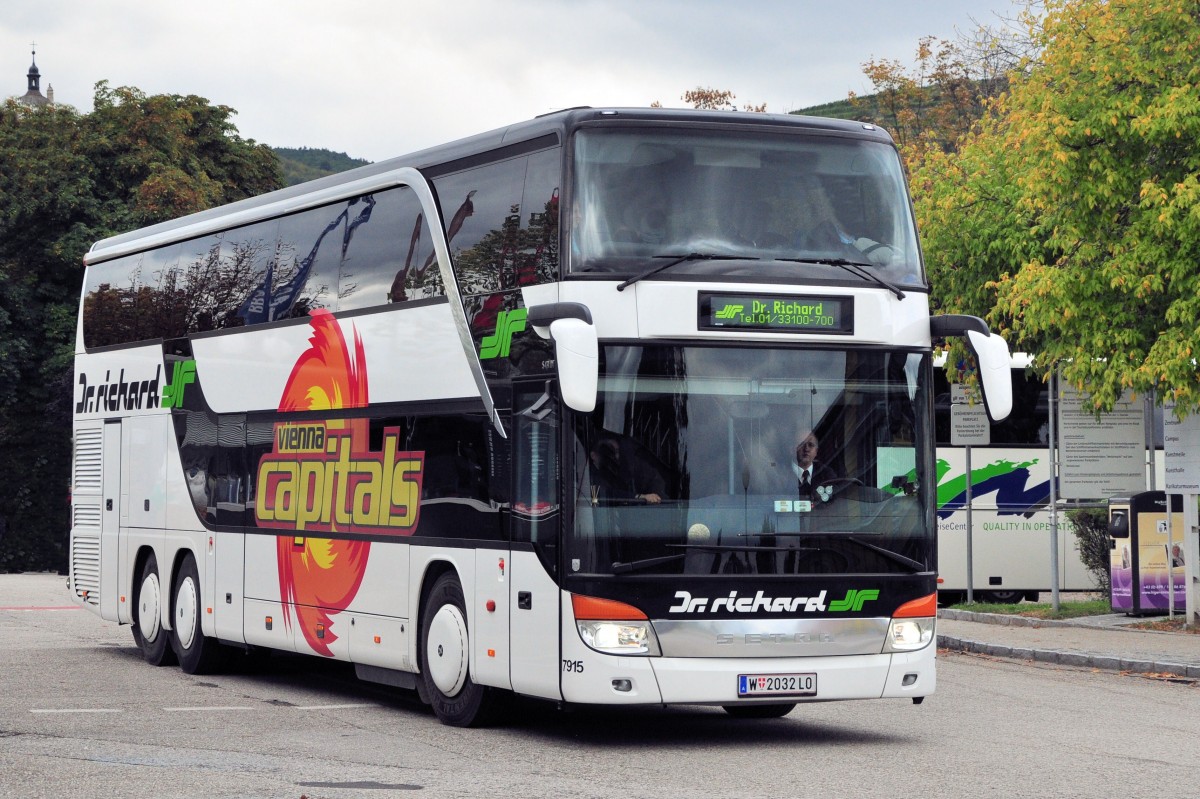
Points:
[[300, 164]]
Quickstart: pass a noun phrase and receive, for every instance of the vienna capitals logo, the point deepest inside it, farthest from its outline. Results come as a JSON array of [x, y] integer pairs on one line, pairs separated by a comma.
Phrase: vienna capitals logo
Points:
[[497, 345]]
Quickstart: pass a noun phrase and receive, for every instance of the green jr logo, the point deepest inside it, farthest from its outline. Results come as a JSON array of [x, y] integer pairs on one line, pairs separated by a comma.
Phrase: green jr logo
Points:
[[185, 372], [730, 311], [854, 600], [497, 345]]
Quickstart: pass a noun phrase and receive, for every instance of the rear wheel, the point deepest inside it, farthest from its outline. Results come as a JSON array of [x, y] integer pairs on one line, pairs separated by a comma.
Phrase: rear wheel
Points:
[[197, 653], [1003, 597], [148, 632], [759, 711], [457, 700]]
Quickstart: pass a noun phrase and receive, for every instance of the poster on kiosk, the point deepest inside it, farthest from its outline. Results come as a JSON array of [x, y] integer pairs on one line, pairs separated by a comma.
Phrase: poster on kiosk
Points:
[[1147, 553]]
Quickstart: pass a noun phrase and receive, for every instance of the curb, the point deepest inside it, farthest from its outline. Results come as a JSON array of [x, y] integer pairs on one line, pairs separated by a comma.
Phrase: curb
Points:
[[1068, 658], [1006, 620]]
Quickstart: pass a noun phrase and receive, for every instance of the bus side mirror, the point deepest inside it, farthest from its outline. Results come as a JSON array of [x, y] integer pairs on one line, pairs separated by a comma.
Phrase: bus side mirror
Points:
[[991, 355], [576, 350], [995, 372]]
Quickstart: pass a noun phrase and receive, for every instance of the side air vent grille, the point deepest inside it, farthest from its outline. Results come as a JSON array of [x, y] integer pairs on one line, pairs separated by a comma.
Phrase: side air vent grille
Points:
[[88, 448], [85, 569]]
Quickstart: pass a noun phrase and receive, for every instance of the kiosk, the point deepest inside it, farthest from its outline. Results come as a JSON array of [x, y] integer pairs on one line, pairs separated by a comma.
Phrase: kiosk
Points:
[[1147, 553]]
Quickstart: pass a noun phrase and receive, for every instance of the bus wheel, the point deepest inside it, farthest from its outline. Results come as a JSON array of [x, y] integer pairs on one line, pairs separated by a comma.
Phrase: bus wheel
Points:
[[148, 632], [197, 654], [759, 711], [457, 700], [1003, 597]]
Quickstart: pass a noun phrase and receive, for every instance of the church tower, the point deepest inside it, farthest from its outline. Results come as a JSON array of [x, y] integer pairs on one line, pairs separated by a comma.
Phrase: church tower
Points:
[[33, 95]]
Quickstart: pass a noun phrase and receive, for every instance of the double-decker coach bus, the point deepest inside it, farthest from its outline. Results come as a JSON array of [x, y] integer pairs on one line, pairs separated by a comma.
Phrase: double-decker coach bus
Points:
[[532, 412]]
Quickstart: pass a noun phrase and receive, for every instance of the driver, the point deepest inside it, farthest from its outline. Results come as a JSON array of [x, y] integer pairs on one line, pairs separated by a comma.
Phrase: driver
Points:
[[809, 473]]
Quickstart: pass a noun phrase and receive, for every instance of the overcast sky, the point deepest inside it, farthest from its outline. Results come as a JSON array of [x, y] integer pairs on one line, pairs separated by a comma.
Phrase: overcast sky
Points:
[[380, 78]]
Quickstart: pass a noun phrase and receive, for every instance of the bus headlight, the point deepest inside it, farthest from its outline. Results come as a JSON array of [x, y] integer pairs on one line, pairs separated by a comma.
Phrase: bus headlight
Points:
[[912, 625], [908, 635], [614, 628]]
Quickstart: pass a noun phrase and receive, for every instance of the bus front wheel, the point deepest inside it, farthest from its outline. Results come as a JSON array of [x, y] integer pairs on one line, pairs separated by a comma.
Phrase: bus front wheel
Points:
[[148, 632], [457, 700], [197, 654]]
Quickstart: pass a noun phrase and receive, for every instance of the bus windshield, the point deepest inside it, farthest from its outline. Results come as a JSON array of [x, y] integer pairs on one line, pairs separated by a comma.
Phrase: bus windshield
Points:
[[732, 460], [752, 204]]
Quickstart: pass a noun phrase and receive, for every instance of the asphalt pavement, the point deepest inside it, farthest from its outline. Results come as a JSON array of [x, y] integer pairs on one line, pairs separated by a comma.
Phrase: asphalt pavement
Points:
[[1099, 642]]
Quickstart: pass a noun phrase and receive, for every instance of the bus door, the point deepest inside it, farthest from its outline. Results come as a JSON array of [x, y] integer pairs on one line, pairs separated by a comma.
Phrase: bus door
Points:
[[535, 598], [112, 560]]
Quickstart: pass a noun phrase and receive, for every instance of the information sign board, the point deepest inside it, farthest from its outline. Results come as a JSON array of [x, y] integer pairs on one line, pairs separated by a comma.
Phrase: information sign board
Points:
[[1100, 457]]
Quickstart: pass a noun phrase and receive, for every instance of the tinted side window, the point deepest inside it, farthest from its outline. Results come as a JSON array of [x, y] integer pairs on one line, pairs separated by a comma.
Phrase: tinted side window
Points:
[[460, 497], [380, 248], [307, 261], [418, 276], [537, 260], [239, 294], [131, 299], [214, 282], [481, 209]]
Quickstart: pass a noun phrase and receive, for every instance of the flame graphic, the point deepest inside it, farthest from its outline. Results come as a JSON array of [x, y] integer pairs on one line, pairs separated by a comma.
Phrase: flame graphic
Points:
[[320, 576]]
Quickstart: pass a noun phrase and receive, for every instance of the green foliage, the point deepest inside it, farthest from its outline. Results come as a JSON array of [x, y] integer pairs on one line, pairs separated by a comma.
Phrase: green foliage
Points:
[[300, 164], [1090, 526], [68, 180], [1070, 217]]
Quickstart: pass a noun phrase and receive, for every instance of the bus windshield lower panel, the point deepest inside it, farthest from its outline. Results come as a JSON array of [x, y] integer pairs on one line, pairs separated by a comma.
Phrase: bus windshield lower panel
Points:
[[724, 460]]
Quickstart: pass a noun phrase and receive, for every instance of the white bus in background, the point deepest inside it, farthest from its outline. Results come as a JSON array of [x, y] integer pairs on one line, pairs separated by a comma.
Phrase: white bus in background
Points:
[[521, 414], [1010, 503]]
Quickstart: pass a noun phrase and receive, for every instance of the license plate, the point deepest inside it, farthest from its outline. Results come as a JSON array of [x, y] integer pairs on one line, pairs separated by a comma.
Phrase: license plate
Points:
[[777, 684]]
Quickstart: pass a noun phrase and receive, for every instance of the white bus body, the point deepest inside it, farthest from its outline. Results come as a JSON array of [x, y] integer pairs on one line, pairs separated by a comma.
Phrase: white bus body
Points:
[[395, 417]]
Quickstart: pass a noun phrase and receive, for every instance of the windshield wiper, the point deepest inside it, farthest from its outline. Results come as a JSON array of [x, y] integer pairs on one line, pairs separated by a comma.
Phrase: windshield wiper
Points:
[[678, 259], [854, 268], [895, 557]]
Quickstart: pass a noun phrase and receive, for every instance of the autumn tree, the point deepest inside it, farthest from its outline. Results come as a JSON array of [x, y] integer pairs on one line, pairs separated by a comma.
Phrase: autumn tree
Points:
[[709, 99], [1071, 217], [939, 99], [67, 180]]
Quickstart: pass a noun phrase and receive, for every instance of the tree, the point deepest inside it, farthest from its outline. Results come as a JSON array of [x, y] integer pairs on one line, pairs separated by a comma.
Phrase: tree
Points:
[[68, 180], [1071, 216], [709, 99], [938, 101]]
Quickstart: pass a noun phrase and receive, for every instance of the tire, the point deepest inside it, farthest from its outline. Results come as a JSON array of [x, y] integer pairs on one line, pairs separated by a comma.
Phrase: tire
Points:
[[457, 700], [759, 711], [197, 654], [1003, 597], [148, 632]]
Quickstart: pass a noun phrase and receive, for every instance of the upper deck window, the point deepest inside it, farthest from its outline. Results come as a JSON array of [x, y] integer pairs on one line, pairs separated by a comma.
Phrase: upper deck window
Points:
[[784, 202]]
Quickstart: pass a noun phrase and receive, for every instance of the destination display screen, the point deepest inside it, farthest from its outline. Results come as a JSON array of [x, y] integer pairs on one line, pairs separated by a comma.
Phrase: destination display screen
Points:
[[779, 313]]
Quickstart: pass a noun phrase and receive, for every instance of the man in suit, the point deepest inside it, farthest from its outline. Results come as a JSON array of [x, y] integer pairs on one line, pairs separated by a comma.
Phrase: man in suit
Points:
[[809, 473]]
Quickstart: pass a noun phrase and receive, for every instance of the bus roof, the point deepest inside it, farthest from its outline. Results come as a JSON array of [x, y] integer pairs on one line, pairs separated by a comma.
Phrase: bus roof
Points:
[[552, 127]]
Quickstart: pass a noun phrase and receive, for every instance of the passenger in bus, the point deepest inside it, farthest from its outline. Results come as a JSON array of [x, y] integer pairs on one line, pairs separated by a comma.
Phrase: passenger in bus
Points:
[[810, 475], [618, 472]]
